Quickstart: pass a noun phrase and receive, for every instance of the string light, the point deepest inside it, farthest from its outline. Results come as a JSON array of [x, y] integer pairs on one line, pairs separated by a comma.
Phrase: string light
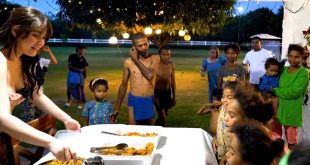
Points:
[[158, 31], [113, 40], [187, 37], [98, 20], [126, 35], [148, 31], [181, 33]]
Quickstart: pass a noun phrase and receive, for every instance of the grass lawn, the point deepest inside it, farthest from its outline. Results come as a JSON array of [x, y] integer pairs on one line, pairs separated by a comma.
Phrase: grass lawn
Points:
[[106, 62]]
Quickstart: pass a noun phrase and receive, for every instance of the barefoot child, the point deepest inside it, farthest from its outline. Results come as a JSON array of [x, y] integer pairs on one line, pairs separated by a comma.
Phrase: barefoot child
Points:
[[221, 141], [98, 111], [165, 86], [213, 108]]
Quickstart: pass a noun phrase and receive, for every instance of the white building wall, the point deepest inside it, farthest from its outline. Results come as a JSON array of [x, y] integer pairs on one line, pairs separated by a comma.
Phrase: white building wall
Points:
[[295, 23]]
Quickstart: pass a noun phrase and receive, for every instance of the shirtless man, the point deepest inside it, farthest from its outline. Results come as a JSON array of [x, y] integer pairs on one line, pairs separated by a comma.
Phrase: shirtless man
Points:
[[165, 86], [140, 70]]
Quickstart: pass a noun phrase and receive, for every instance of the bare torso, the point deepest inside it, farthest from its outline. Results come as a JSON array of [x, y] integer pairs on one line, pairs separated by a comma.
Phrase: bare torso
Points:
[[163, 77], [14, 79], [15, 75], [139, 85]]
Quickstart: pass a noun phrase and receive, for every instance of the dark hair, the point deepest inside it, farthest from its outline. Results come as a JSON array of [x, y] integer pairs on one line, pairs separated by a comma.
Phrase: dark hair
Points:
[[34, 73], [217, 50], [234, 46], [255, 147], [217, 92], [165, 47], [233, 85], [296, 47], [96, 82], [257, 38], [80, 47], [28, 20], [252, 104], [271, 61], [300, 154], [137, 36]]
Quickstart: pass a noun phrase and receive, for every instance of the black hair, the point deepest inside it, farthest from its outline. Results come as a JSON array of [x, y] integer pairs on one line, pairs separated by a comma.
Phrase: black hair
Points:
[[96, 82], [165, 47], [137, 36], [255, 147], [217, 92], [34, 74], [300, 154], [271, 61], [233, 85], [80, 47], [234, 46], [257, 38], [296, 47], [26, 20], [252, 104], [217, 50]]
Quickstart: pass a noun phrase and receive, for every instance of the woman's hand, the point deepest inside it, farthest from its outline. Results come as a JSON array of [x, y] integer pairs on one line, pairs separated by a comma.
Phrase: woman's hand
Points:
[[72, 124], [61, 151]]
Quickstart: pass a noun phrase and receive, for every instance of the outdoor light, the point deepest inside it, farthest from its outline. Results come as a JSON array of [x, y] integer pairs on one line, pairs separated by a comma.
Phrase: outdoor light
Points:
[[148, 30], [99, 21], [125, 35], [158, 31], [181, 32], [112, 40], [187, 37], [240, 9]]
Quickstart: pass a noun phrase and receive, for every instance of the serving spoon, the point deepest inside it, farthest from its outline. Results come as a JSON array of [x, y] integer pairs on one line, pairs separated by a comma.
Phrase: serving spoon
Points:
[[120, 146]]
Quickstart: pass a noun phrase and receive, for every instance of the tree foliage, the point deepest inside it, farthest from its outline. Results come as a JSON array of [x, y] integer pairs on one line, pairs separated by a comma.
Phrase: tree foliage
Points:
[[258, 21], [196, 17], [5, 9]]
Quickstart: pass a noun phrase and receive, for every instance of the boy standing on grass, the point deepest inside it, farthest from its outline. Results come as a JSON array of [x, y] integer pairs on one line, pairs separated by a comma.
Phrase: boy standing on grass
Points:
[[77, 65], [165, 86]]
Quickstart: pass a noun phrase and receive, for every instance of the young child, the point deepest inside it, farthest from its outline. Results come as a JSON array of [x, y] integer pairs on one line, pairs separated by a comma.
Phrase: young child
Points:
[[211, 65], [220, 142], [213, 108], [231, 71], [165, 86], [251, 146], [293, 85], [271, 78], [98, 111]]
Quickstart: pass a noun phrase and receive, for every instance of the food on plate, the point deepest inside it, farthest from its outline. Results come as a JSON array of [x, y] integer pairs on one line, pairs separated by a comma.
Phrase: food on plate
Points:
[[79, 161], [152, 134], [130, 151]]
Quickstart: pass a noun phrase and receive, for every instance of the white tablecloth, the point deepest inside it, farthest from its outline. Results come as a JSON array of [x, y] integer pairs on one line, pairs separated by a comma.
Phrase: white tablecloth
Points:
[[179, 146]]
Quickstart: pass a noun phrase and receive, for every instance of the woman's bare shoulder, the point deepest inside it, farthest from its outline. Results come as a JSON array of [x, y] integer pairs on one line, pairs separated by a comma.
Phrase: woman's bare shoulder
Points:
[[3, 62]]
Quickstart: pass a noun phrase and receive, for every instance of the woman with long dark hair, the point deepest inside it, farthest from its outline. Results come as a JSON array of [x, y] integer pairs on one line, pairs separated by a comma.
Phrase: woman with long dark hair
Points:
[[21, 37]]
